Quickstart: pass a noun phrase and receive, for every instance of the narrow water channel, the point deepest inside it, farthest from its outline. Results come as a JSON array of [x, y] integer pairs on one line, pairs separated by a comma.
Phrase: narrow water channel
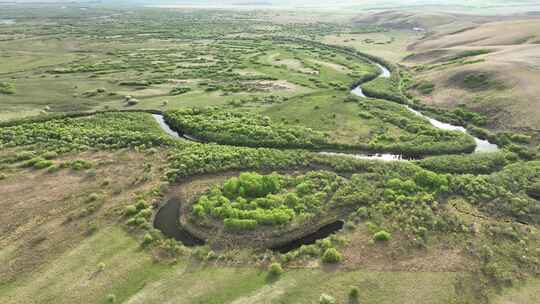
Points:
[[309, 239], [167, 218], [165, 127], [481, 145], [167, 221]]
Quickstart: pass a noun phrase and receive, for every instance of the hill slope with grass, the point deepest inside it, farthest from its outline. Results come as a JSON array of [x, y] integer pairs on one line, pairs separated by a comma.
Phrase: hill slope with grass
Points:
[[491, 68]]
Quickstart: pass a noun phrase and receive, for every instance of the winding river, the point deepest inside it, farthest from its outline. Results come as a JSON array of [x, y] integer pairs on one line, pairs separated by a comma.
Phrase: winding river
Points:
[[167, 218], [481, 145]]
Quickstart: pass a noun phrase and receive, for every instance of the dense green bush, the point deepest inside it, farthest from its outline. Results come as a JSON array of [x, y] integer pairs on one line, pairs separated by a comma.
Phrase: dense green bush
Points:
[[354, 294], [534, 190], [418, 137], [275, 270], [37, 163], [78, 164], [505, 139], [147, 239], [476, 80], [7, 88], [131, 210], [460, 116], [477, 163], [233, 224], [251, 199], [502, 194], [192, 159], [102, 130], [243, 129], [331, 256], [385, 88], [425, 87], [382, 236]]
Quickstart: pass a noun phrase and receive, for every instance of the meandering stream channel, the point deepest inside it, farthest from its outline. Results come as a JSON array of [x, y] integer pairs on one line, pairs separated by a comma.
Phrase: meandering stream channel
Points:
[[167, 218]]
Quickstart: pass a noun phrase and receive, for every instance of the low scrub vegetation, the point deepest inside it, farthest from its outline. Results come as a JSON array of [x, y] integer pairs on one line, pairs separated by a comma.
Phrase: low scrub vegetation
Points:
[[104, 130], [417, 137], [385, 88], [179, 91], [275, 270], [425, 87], [484, 207], [251, 200], [475, 80], [243, 129], [7, 88], [381, 236], [477, 163], [331, 256]]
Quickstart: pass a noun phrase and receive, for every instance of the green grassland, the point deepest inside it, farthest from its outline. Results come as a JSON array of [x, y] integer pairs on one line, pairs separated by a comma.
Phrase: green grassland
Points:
[[132, 277], [476, 219], [85, 168], [388, 44]]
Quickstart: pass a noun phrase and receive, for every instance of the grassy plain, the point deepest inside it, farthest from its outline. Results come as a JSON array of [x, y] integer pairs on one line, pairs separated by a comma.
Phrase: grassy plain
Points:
[[79, 194], [132, 277]]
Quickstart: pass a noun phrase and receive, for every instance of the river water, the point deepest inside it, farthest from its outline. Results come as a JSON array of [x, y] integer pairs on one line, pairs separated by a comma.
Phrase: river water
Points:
[[165, 127], [481, 145], [166, 219]]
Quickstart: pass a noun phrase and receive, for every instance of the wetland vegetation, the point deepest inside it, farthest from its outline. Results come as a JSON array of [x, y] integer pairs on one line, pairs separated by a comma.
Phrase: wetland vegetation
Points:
[[150, 151]]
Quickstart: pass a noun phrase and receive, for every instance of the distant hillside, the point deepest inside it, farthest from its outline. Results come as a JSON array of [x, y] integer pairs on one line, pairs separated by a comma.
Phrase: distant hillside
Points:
[[492, 67]]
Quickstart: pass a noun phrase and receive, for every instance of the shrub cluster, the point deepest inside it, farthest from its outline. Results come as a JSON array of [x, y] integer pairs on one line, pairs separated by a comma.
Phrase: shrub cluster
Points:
[[251, 199], [7, 88], [179, 90], [385, 88], [331, 256], [103, 130], [138, 215], [275, 270], [417, 136], [477, 163], [502, 193], [242, 129]]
